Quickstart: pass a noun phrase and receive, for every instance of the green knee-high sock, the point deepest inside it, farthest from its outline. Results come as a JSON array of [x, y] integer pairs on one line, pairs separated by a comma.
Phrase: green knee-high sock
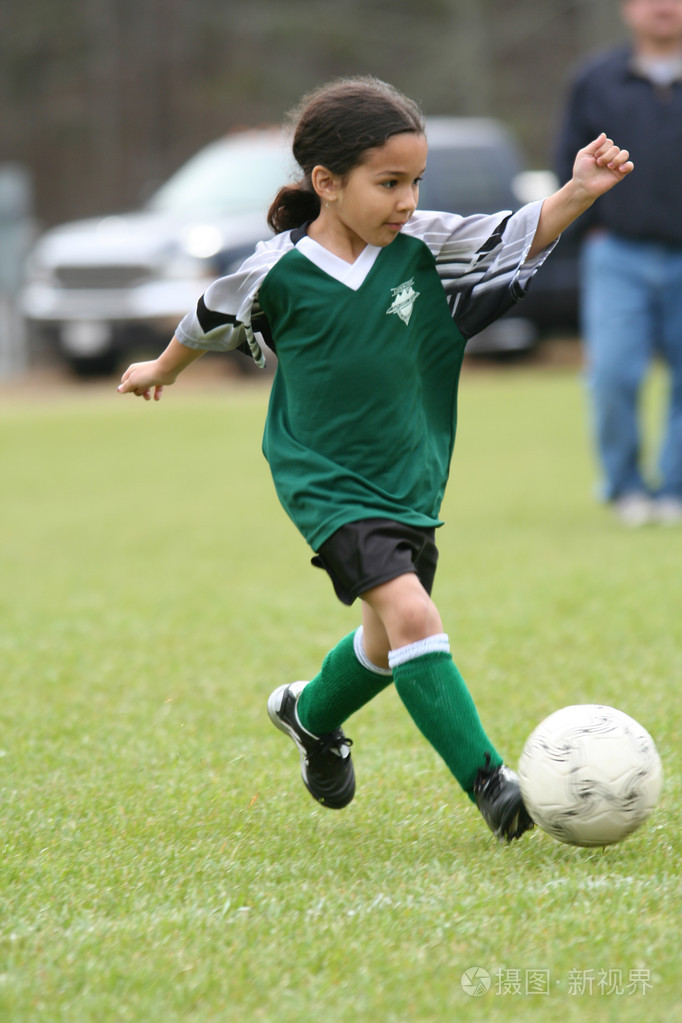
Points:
[[342, 686], [441, 706]]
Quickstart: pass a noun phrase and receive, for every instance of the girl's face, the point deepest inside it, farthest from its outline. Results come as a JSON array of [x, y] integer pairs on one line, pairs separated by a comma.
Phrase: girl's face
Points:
[[371, 204]]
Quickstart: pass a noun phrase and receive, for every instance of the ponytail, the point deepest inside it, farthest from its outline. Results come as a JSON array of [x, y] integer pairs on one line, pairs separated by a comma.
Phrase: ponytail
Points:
[[292, 206]]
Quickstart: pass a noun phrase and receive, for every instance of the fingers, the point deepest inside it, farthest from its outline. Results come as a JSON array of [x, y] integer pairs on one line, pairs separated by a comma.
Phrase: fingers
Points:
[[129, 387], [142, 390], [596, 144], [625, 166], [136, 380], [612, 156], [126, 384], [608, 154]]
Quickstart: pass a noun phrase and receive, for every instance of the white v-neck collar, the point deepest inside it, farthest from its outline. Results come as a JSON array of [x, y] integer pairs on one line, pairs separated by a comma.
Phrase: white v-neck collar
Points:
[[351, 274]]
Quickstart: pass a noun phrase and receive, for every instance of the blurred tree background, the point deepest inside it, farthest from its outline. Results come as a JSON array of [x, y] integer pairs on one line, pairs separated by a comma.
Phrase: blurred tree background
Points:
[[102, 99]]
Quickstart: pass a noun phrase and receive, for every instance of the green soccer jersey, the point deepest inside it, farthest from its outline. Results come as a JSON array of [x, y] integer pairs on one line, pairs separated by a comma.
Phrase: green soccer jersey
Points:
[[363, 406], [363, 410]]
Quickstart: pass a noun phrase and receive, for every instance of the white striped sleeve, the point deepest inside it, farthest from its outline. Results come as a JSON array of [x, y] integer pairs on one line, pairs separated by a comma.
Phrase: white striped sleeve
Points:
[[481, 260], [222, 318]]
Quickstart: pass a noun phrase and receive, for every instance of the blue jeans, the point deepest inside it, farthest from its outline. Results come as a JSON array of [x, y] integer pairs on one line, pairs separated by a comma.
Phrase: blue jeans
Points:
[[631, 313]]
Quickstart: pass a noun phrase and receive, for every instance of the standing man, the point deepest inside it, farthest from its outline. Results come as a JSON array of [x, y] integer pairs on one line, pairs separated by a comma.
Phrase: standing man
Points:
[[632, 254]]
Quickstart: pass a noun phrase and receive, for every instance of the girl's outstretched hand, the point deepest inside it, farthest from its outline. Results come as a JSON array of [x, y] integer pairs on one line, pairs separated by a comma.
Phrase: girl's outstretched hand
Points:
[[141, 377], [600, 166]]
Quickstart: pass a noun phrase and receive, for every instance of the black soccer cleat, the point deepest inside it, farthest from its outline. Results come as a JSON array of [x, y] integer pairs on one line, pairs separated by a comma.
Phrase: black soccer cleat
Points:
[[326, 765], [498, 797]]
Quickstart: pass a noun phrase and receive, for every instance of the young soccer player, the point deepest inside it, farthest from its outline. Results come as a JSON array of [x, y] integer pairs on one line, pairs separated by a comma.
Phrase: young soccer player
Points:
[[368, 304]]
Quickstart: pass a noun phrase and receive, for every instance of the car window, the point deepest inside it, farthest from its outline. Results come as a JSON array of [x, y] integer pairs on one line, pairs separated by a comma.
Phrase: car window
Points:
[[243, 174], [467, 179], [227, 177]]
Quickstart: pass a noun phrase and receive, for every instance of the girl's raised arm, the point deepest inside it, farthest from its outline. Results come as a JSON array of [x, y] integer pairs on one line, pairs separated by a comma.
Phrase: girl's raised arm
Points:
[[597, 168]]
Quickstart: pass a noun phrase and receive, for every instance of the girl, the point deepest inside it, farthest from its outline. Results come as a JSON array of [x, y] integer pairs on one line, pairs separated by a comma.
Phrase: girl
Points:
[[368, 305]]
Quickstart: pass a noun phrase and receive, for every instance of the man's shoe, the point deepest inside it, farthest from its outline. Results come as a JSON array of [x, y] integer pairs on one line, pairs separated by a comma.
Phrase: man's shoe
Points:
[[668, 511], [498, 797], [635, 510], [326, 765]]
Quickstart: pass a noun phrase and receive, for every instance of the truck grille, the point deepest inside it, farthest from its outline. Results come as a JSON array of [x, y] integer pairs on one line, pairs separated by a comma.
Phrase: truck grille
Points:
[[102, 276]]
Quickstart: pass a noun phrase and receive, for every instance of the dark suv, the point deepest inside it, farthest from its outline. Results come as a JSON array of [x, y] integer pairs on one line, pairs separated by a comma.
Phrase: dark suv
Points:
[[102, 290]]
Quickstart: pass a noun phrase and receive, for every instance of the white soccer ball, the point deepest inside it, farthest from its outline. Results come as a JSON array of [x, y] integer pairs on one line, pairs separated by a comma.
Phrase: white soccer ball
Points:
[[590, 775]]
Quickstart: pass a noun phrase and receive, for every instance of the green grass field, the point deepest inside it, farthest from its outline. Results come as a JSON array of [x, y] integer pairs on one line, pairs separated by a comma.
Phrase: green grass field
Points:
[[161, 861]]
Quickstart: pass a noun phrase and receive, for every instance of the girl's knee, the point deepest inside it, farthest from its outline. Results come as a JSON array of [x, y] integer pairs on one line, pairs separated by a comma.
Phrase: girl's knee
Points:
[[406, 610], [418, 620]]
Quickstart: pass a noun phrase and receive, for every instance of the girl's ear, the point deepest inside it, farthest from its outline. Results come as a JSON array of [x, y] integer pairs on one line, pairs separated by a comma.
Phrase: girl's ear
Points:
[[325, 183]]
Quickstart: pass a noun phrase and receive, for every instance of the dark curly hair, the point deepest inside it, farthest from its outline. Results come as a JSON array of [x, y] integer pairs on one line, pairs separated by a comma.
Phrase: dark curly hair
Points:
[[335, 126]]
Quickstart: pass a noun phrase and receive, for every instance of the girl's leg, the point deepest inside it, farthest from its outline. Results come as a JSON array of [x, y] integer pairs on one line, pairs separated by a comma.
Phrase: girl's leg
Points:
[[347, 681], [439, 702], [357, 669], [428, 681], [312, 713], [374, 637]]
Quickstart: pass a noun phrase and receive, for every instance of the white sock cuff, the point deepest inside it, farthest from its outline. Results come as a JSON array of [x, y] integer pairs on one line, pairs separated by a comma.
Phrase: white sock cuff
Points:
[[359, 648], [431, 645]]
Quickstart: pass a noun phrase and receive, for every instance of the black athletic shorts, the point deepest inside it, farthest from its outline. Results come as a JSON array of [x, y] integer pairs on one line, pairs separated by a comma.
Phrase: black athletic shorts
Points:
[[367, 553]]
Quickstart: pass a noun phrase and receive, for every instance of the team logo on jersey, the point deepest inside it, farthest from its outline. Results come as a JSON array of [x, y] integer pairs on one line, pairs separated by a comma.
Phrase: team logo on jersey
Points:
[[404, 297]]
